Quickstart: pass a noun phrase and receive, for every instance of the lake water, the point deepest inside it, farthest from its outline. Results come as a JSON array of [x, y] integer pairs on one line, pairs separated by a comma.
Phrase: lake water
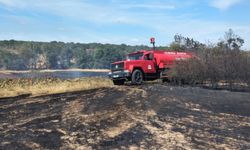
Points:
[[57, 74]]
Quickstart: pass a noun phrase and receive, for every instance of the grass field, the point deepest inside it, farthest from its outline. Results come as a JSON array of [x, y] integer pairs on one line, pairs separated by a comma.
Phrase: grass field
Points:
[[44, 86]]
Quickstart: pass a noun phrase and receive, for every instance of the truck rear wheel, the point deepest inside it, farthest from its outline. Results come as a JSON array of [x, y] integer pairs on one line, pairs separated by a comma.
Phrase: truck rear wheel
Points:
[[137, 77], [118, 82]]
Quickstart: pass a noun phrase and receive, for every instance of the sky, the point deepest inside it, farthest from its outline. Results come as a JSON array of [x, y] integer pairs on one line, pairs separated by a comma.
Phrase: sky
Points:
[[130, 22]]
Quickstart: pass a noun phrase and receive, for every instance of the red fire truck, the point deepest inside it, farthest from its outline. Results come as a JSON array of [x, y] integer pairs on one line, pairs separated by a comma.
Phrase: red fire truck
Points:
[[145, 65]]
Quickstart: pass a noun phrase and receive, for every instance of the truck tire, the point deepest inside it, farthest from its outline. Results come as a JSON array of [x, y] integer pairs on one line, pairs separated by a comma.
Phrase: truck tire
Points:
[[118, 82], [137, 77]]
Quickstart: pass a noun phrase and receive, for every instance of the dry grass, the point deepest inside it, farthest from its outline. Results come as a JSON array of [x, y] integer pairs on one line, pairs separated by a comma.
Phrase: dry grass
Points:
[[44, 86]]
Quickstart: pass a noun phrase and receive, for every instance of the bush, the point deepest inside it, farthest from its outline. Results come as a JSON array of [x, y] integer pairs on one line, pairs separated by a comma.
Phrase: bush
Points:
[[215, 65]]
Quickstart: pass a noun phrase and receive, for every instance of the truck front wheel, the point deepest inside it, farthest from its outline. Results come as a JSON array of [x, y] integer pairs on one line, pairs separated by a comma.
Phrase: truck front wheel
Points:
[[137, 77], [118, 82]]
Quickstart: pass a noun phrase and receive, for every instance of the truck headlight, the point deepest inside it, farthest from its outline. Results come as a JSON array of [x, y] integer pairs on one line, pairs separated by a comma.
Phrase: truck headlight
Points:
[[126, 71], [110, 73]]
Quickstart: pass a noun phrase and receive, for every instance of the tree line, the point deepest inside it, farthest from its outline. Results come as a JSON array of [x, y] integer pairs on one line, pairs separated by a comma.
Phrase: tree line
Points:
[[23, 55]]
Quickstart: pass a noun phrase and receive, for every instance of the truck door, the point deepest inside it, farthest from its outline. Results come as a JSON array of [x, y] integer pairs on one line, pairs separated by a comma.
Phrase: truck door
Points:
[[149, 65]]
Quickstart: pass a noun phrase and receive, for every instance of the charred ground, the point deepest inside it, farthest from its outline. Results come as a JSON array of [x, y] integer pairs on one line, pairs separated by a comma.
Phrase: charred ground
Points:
[[150, 116]]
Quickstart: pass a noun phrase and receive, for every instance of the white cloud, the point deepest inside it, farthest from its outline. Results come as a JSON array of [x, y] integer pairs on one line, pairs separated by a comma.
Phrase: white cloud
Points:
[[110, 13], [224, 4], [13, 3], [7, 2], [74, 9]]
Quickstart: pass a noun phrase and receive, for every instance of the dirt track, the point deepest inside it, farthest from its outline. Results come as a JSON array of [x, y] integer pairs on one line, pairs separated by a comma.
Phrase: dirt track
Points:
[[147, 117]]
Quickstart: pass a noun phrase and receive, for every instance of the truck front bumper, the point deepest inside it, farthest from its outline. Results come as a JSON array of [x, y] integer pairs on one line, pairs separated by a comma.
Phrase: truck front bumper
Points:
[[117, 75]]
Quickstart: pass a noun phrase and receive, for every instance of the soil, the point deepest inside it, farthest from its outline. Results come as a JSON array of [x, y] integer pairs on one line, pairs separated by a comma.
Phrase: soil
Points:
[[151, 116]]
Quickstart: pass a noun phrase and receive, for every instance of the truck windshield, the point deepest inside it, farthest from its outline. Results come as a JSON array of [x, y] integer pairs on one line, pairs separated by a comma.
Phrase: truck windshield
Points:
[[135, 56]]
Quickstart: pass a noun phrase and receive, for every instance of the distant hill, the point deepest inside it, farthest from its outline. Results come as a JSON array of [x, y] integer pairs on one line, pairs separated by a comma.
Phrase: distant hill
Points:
[[22, 55]]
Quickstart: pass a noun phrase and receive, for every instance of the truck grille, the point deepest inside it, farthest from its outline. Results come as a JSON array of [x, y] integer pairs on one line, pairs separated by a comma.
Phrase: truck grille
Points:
[[117, 67]]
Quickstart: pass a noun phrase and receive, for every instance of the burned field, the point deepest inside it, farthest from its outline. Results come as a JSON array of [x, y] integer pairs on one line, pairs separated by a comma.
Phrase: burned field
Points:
[[150, 116]]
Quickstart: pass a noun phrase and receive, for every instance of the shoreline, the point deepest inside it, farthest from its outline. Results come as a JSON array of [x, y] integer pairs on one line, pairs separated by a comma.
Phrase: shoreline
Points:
[[53, 70]]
